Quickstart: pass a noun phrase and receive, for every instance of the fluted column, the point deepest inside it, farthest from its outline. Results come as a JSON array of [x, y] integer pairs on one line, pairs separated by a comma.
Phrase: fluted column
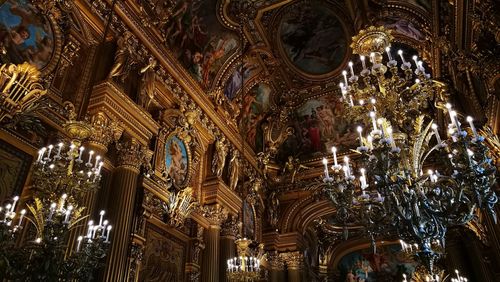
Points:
[[211, 254], [229, 231], [276, 268], [123, 190], [294, 265]]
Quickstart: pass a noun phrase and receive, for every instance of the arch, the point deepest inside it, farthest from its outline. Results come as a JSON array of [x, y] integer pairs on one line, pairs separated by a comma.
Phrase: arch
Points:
[[298, 215]]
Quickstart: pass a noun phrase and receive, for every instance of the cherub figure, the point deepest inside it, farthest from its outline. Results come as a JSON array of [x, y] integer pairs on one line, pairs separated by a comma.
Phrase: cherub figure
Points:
[[292, 166]]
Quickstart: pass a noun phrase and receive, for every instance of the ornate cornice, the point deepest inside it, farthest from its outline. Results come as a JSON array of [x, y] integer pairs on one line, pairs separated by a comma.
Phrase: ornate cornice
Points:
[[108, 98]]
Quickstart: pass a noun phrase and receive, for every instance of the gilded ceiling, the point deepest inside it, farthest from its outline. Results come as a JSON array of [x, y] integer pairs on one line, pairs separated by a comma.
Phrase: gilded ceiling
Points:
[[290, 63]]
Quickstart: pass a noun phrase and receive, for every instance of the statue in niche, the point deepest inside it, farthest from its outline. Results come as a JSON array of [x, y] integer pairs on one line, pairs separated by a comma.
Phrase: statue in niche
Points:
[[274, 204], [234, 167], [121, 66], [219, 157], [147, 88]]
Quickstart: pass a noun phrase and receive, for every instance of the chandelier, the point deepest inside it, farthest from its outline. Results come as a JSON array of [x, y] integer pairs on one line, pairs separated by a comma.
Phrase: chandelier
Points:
[[243, 267], [410, 177], [61, 179]]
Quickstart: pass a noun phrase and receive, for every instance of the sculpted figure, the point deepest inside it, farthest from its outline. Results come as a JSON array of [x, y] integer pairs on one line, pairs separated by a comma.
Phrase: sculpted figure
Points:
[[219, 157], [234, 167], [122, 54], [147, 89], [292, 166]]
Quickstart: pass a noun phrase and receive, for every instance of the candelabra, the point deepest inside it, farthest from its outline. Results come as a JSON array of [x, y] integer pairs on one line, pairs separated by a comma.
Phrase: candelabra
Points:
[[392, 194], [61, 178], [243, 267]]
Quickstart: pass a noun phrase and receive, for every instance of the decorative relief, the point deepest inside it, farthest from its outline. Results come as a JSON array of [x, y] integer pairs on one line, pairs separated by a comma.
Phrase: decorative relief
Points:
[[133, 154], [215, 214], [219, 157], [136, 256], [104, 130], [231, 227], [198, 246], [276, 261], [293, 260]]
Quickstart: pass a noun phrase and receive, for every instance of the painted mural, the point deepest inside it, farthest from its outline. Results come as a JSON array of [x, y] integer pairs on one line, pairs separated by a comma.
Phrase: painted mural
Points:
[[176, 159], [198, 39], [256, 105], [164, 258], [313, 38], [239, 75], [389, 264], [249, 221], [319, 124], [25, 36], [403, 27]]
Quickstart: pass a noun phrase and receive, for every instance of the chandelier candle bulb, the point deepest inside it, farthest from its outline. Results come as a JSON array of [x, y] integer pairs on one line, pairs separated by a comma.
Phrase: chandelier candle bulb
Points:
[[107, 233], [415, 59], [363, 62], [436, 132], [348, 169], [470, 120], [80, 238], [344, 73], [91, 153], [374, 121], [380, 122], [350, 67], [325, 162], [13, 207], [388, 51], [81, 153], [50, 151], [454, 116], [41, 152], [334, 151], [400, 53], [342, 90], [66, 217], [360, 130], [89, 230], [97, 158], [59, 150], [62, 201], [372, 57], [369, 140]]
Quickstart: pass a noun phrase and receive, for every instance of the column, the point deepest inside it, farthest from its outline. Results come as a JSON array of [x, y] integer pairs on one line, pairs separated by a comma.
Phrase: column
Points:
[[103, 132], [276, 268], [211, 255], [294, 266], [121, 209], [229, 231]]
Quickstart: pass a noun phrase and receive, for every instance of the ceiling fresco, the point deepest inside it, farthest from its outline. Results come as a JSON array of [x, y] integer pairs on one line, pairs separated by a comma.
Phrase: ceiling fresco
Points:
[[312, 37], [294, 52]]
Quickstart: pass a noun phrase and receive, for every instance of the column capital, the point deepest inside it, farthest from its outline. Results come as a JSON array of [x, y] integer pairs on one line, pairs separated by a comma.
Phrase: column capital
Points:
[[104, 131], [293, 260], [276, 262], [230, 228], [132, 154], [215, 214]]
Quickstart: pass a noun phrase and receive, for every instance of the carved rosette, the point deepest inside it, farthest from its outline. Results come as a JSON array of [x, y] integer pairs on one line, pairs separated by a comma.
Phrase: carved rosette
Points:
[[104, 131], [293, 260], [132, 154], [215, 214]]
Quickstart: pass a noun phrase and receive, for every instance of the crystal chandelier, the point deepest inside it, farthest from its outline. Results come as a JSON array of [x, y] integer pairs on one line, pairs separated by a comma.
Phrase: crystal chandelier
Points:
[[243, 267], [61, 178], [409, 179]]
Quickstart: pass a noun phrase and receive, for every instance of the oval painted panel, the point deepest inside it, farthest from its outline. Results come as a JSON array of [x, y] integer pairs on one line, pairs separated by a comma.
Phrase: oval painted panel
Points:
[[313, 38], [25, 35], [176, 159]]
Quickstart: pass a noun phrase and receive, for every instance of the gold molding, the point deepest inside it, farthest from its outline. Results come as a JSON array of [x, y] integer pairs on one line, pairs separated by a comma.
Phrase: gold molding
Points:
[[215, 191], [107, 98]]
